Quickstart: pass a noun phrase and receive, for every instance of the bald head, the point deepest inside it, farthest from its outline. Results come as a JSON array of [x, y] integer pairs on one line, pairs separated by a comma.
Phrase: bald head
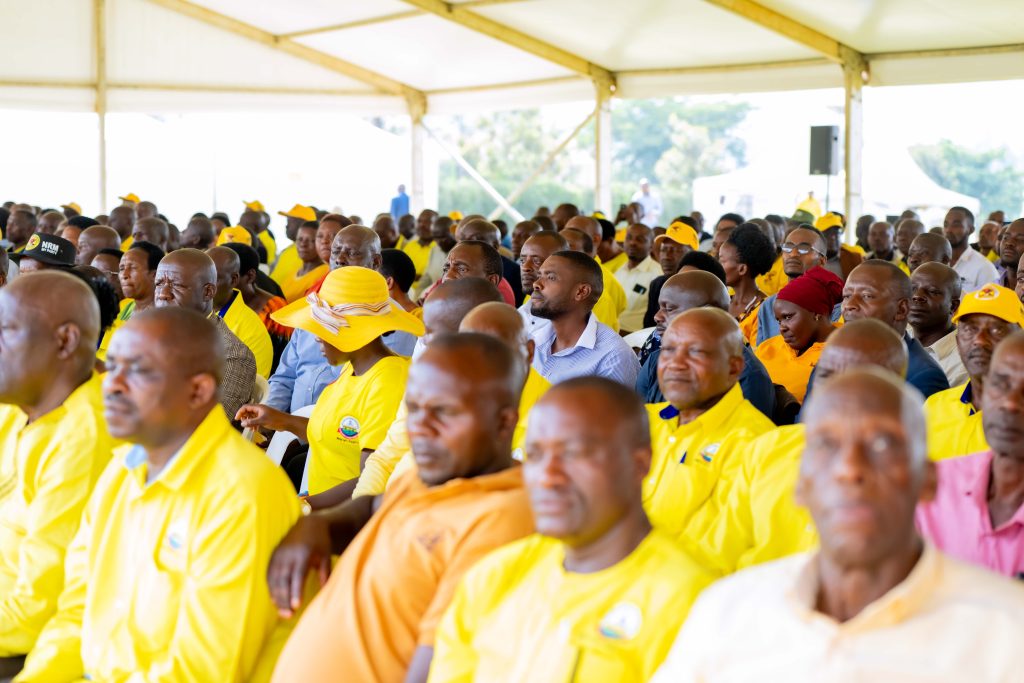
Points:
[[356, 245], [479, 229], [93, 240], [588, 225], [695, 289], [449, 303], [503, 322], [51, 325], [152, 230], [928, 247], [228, 273], [701, 358], [186, 338], [186, 278], [862, 343]]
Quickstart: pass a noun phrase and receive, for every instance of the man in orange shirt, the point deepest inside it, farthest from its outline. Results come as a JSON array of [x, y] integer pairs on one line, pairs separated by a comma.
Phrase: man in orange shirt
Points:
[[405, 552]]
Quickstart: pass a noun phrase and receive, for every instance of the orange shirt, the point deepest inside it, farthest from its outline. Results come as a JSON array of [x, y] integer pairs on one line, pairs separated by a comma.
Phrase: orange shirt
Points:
[[275, 328], [787, 368], [393, 583]]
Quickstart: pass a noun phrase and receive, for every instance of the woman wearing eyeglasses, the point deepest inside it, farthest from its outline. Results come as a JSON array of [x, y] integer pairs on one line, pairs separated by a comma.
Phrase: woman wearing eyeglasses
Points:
[[803, 310]]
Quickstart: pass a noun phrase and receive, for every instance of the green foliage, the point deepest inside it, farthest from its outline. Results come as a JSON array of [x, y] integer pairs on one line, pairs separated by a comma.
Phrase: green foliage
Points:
[[990, 175], [670, 141]]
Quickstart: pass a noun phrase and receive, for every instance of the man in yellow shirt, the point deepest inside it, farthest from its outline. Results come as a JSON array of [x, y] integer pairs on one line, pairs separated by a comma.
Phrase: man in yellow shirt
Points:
[[419, 249], [288, 261], [403, 554], [166, 576], [758, 517], [597, 594], [706, 424], [53, 445], [875, 603], [985, 317], [232, 309], [612, 302]]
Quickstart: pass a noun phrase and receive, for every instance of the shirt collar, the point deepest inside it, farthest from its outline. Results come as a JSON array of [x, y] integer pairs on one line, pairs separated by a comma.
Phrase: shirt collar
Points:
[[587, 340], [713, 416], [208, 436], [967, 398]]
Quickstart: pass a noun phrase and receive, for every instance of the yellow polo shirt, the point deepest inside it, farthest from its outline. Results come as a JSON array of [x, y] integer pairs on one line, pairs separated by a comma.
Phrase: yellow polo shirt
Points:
[[760, 520], [419, 254], [287, 264], [167, 579], [47, 471], [613, 264], [353, 414], [394, 456], [688, 460], [953, 425], [127, 242], [125, 310], [519, 616], [774, 280], [248, 327], [612, 302]]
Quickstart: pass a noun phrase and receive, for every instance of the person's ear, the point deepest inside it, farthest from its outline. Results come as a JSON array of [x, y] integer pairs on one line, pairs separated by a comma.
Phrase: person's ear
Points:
[[583, 291], [203, 390], [742, 269], [930, 484], [378, 260], [235, 278], [531, 348], [508, 418], [902, 309], [954, 303], [641, 458], [736, 365], [494, 279], [68, 336], [209, 290], [391, 283]]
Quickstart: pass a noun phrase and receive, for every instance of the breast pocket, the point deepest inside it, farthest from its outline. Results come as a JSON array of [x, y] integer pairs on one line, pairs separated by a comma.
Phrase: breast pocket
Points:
[[158, 594], [605, 660]]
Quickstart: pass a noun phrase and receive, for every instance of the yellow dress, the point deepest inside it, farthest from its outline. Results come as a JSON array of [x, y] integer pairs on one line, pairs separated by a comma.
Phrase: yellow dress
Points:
[[295, 286], [786, 367]]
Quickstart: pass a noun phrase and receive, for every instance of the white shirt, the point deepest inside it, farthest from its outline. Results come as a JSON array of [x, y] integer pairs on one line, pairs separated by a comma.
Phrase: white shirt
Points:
[[536, 327], [975, 271], [652, 207], [636, 282], [946, 622]]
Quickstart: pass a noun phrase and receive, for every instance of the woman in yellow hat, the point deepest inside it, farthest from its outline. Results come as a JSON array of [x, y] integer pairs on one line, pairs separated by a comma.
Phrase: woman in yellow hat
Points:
[[348, 316], [313, 268]]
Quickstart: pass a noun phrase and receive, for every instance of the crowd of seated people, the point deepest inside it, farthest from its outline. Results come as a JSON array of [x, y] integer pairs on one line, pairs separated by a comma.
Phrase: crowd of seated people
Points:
[[442, 448]]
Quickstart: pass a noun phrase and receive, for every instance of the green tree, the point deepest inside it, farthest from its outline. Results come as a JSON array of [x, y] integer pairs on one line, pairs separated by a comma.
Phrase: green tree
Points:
[[990, 175]]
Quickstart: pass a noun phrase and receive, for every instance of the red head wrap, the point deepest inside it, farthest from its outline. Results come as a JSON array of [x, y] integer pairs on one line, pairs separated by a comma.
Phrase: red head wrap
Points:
[[818, 290]]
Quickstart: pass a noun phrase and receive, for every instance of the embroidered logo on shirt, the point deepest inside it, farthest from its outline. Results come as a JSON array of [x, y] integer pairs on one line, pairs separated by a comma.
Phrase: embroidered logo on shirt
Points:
[[176, 535], [349, 427], [622, 622], [708, 452]]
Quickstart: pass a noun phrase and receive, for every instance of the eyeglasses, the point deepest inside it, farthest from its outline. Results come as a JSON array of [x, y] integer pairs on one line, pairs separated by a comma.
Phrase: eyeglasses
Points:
[[803, 248]]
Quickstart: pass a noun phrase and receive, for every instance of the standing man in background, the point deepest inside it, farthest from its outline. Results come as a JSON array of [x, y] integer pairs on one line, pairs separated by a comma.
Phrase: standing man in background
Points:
[[651, 203], [399, 204]]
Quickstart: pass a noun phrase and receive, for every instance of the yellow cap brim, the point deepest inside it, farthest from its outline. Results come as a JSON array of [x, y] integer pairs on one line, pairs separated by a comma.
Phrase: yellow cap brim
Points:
[[362, 329]]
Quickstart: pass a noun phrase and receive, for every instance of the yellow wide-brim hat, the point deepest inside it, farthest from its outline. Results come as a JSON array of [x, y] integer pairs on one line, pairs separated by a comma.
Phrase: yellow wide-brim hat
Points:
[[993, 300], [681, 233], [351, 309]]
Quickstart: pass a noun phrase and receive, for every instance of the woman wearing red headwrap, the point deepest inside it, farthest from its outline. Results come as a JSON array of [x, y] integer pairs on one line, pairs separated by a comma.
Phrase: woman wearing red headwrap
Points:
[[803, 309]]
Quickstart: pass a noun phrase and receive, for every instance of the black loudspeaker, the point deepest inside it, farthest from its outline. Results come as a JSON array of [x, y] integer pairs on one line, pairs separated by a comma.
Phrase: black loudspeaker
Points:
[[824, 150]]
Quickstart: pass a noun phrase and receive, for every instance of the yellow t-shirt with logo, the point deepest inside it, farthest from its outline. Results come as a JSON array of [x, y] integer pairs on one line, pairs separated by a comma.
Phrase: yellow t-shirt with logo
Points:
[[352, 414], [688, 460], [519, 616]]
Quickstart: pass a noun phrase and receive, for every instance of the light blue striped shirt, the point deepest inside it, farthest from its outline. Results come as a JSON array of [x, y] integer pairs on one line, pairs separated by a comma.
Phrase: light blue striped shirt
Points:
[[599, 351]]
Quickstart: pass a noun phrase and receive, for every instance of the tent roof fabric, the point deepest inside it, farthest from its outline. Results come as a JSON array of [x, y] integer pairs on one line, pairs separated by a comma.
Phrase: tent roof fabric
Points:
[[340, 52]]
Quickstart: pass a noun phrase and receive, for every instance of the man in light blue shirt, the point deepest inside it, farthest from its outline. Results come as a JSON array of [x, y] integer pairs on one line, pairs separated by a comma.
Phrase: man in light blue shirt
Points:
[[575, 344], [399, 204]]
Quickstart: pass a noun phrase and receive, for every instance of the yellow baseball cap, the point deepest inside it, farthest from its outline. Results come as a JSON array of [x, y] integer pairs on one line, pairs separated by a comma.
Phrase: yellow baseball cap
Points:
[[235, 233], [829, 220], [306, 213], [455, 215], [255, 205], [351, 309], [994, 300], [680, 233], [620, 234], [73, 206], [130, 197]]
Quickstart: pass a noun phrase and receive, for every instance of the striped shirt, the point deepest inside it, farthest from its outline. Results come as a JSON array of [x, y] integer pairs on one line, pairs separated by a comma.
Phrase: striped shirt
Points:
[[599, 351]]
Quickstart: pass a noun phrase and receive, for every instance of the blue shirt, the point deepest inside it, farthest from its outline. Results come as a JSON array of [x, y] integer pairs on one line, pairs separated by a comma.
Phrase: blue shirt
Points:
[[755, 383], [768, 326], [599, 351], [301, 375], [399, 206]]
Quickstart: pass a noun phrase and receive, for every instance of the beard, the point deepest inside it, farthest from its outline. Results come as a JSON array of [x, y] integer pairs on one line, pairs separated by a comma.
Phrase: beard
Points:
[[549, 310]]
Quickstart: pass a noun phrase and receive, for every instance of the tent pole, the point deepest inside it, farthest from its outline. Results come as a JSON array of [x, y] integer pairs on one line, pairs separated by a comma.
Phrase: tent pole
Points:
[[603, 147], [100, 36], [417, 109], [855, 75]]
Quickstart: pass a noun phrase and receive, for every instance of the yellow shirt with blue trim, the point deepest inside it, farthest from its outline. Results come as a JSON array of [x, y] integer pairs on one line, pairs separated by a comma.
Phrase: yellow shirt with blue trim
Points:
[[124, 312], [353, 414], [953, 425], [394, 456], [47, 470], [287, 264], [247, 326], [419, 254], [167, 578], [760, 520], [519, 616], [689, 459]]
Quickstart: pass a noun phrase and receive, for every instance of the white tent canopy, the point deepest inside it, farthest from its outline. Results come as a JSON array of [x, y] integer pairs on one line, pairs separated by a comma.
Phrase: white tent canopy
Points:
[[431, 56]]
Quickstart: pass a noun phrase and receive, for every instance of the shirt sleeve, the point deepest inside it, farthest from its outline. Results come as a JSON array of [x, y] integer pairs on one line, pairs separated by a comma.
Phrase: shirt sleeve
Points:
[[455, 660], [62, 487], [239, 378], [622, 366], [381, 463], [282, 382]]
